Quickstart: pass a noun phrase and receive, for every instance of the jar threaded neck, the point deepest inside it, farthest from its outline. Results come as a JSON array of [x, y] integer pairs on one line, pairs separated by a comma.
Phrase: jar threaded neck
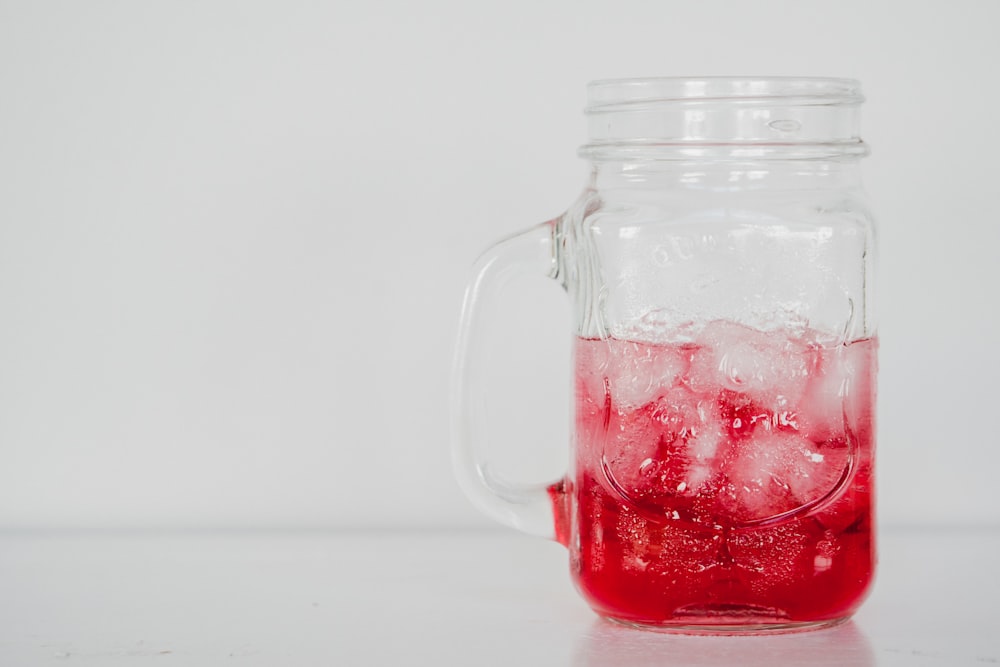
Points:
[[724, 118]]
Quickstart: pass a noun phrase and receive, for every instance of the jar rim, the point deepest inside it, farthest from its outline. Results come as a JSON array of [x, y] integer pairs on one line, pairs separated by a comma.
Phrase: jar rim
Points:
[[609, 95], [724, 118]]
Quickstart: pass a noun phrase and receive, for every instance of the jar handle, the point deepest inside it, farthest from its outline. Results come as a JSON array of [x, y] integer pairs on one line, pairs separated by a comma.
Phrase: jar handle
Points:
[[527, 507]]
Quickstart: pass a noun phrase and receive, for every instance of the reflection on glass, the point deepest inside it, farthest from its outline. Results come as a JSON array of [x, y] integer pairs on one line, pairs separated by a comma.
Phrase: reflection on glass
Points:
[[605, 643]]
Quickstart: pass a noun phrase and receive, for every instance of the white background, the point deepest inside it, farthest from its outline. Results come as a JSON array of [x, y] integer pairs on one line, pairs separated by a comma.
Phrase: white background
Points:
[[234, 238]]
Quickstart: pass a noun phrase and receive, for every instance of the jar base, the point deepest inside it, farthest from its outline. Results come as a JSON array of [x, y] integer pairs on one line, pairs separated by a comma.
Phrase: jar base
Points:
[[730, 625]]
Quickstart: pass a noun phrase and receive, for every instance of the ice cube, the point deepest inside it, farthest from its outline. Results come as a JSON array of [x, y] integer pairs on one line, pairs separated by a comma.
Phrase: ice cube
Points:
[[633, 373], [590, 361], [771, 368], [840, 393], [665, 450], [850, 512], [777, 471], [638, 373]]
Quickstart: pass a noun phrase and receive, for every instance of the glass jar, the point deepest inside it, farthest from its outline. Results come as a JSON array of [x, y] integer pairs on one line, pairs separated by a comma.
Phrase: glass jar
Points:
[[719, 264]]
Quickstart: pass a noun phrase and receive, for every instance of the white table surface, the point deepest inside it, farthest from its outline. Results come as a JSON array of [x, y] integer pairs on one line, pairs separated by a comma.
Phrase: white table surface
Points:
[[436, 598]]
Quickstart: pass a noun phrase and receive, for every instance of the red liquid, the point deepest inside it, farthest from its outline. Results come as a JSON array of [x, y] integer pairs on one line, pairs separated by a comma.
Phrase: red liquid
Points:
[[725, 481]]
